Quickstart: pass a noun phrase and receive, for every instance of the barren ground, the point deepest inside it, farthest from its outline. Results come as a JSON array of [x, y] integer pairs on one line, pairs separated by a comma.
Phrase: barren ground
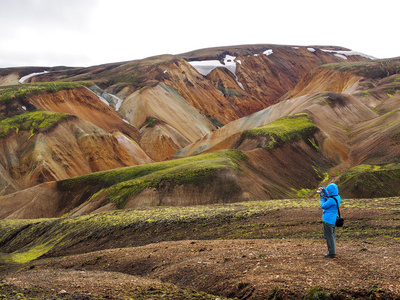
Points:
[[287, 264]]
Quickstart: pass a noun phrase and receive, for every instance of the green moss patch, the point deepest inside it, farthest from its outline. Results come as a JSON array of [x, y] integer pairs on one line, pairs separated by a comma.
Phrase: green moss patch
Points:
[[150, 122], [21, 90], [119, 184], [285, 130], [372, 180], [375, 69], [332, 99], [27, 254], [227, 91], [31, 122], [24, 240], [357, 170]]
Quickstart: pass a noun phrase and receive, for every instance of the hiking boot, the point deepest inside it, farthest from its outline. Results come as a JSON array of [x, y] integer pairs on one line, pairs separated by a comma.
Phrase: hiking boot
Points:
[[328, 255]]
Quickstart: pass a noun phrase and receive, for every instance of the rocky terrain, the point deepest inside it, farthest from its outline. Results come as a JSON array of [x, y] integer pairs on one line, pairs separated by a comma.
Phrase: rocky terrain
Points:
[[169, 107], [249, 250], [208, 151]]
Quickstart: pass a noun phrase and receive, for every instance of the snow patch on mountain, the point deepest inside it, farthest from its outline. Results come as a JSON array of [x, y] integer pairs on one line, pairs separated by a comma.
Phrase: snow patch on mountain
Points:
[[109, 99], [340, 55], [205, 67], [344, 53], [268, 52], [24, 78], [104, 100]]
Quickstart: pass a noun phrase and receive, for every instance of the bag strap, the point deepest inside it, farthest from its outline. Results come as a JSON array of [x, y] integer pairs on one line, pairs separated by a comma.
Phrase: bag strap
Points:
[[336, 205]]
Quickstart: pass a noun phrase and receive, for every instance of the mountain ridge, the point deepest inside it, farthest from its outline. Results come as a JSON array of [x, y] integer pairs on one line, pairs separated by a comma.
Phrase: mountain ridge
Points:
[[172, 106]]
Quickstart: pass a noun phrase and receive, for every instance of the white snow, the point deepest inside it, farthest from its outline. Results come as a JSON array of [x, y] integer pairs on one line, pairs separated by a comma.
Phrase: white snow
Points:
[[106, 97], [255, 54], [268, 52], [311, 49], [22, 79], [23, 107], [119, 102], [348, 53], [297, 48], [104, 100], [340, 55], [165, 71], [205, 67], [239, 61], [126, 121]]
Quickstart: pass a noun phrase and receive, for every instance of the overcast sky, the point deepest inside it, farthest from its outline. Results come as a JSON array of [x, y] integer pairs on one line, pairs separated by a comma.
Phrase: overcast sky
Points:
[[91, 32]]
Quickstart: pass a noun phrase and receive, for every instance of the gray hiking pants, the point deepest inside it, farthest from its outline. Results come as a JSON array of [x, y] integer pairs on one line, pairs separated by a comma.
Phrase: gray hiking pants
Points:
[[329, 234]]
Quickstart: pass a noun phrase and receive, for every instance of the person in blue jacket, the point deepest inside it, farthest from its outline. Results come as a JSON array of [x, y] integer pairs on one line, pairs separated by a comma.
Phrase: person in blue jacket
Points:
[[329, 213]]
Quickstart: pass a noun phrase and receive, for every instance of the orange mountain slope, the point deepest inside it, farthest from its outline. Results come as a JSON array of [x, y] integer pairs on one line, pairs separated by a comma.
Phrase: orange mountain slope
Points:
[[225, 124]]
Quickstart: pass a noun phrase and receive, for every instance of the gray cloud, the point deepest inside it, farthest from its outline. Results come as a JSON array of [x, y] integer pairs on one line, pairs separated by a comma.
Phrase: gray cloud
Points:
[[87, 32]]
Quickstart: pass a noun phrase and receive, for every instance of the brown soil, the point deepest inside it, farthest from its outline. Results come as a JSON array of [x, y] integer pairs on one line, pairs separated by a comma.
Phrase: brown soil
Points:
[[285, 267]]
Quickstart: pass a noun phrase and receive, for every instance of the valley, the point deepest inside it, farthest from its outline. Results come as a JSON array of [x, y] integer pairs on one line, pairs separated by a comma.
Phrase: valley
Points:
[[193, 176]]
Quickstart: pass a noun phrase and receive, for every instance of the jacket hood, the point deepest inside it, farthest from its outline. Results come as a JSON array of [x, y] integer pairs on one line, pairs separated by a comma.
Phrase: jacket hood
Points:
[[332, 189]]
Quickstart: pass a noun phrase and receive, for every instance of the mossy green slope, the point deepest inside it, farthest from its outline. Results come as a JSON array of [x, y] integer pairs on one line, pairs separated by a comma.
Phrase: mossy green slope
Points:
[[369, 181], [21, 90], [284, 130], [119, 184], [31, 122], [371, 69], [26, 240]]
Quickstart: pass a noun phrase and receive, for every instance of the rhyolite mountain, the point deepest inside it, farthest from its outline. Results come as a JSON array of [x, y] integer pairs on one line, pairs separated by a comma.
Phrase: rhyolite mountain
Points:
[[210, 126]]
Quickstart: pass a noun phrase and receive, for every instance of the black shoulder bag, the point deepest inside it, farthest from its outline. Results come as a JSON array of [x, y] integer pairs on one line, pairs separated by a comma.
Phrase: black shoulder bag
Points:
[[339, 219]]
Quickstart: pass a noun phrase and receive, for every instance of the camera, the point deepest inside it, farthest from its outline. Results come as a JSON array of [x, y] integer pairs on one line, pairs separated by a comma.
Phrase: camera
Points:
[[323, 192]]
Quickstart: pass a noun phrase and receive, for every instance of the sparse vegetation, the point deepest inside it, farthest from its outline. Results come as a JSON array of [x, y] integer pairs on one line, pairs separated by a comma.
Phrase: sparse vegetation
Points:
[[277, 234], [303, 193], [141, 226], [227, 91], [285, 130], [120, 184], [373, 180], [247, 250], [216, 122], [7, 92], [357, 170], [371, 69], [316, 293], [155, 291], [150, 122], [31, 122]]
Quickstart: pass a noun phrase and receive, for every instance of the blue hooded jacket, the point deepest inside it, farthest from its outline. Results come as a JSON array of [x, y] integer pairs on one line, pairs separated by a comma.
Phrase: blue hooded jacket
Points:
[[328, 204]]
